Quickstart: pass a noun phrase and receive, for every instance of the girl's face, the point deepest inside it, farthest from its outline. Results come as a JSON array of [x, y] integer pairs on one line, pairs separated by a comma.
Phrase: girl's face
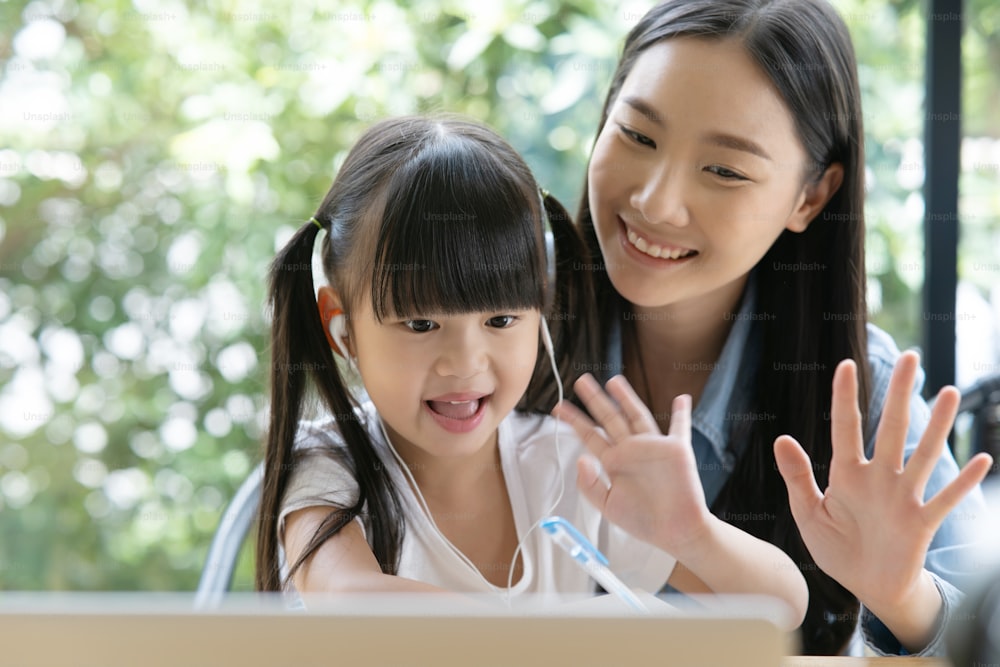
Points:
[[696, 173], [443, 383]]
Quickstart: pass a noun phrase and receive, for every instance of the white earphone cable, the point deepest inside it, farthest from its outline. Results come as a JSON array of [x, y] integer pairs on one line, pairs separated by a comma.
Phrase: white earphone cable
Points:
[[547, 340], [562, 476]]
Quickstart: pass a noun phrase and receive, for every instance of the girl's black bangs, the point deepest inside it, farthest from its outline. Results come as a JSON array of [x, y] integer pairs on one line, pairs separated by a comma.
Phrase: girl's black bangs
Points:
[[458, 235]]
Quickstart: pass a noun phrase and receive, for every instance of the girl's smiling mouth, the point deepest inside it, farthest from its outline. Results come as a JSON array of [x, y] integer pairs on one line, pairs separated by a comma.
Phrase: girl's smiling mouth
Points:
[[458, 413]]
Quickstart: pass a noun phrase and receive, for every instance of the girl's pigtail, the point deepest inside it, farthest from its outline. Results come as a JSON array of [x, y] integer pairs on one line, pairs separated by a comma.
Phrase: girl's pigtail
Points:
[[300, 352], [292, 347], [571, 316]]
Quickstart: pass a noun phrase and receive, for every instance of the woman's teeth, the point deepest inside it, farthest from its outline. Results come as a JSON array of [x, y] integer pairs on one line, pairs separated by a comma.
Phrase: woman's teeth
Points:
[[653, 250]]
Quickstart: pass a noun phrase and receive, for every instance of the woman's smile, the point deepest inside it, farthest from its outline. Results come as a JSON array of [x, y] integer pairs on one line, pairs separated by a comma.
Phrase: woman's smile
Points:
[[656, 250]]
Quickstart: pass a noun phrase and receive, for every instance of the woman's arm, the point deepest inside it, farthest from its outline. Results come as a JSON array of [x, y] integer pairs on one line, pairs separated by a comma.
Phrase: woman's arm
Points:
[[344, 563], [653, 492], [871, 528]]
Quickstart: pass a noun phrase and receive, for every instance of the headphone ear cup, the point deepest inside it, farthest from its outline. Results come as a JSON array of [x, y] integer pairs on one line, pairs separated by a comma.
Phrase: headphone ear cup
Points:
[[550, 268]]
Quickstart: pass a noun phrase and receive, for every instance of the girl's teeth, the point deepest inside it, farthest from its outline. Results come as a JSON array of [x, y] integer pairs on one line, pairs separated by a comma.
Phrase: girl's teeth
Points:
[[652, 249], [455, 409]]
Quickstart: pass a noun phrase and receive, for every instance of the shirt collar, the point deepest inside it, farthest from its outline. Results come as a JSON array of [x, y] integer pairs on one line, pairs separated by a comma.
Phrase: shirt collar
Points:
[[710, 416], [713, 416]]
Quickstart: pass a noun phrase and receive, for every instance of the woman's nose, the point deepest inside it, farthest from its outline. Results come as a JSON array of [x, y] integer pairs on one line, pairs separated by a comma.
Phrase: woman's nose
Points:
[[659, 197]]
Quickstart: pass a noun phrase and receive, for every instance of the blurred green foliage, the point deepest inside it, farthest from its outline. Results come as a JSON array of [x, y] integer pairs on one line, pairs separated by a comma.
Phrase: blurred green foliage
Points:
[[153, 156]]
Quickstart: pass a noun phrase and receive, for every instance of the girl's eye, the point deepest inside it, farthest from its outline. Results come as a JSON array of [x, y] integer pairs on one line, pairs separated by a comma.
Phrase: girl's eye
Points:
[[501, 321], [640, 139], [727, 174], [420, 326]]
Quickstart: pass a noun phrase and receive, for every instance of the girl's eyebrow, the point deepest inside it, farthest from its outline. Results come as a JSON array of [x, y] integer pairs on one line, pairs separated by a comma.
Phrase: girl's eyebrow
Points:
[[722, 139]]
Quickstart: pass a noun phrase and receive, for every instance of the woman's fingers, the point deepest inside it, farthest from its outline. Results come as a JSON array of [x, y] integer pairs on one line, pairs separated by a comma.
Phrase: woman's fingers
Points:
[[947, 498], [639, 418], [605, 411], [592, 437], [921, 463], [845, 417], [890, 441]]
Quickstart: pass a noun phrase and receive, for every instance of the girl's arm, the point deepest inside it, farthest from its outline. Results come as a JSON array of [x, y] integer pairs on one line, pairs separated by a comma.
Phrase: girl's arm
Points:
[[344, 563], [871, 528], [652, 490], [729, 560]]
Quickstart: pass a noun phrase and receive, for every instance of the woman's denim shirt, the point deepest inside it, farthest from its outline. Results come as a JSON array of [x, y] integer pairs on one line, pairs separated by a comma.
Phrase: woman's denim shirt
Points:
[[951, 558]]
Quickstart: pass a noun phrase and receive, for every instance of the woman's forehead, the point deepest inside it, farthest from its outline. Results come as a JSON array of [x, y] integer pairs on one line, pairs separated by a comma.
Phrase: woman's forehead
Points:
[[710, 87]]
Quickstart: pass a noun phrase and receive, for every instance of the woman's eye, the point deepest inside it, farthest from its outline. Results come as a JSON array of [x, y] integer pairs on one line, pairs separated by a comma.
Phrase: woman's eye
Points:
[[501, 321], [420, 326], [640, 139], [728, 174]]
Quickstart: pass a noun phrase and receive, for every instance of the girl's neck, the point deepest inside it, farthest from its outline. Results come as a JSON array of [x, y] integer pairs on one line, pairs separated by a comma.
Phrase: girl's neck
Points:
[[673, 349], [452, 480], [468, 502]]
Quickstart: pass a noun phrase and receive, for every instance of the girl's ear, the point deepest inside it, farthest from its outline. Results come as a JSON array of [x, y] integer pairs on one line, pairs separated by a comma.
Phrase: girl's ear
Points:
[[330, 306], [814, 197]]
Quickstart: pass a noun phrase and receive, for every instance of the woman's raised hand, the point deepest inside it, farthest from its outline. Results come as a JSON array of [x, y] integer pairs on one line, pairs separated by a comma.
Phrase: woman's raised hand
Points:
[[871, 528], [655, 493]]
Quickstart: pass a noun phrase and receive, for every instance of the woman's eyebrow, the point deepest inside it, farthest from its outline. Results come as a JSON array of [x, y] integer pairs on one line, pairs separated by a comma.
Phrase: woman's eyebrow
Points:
[[645, 108], [736, 143], [722, 139]]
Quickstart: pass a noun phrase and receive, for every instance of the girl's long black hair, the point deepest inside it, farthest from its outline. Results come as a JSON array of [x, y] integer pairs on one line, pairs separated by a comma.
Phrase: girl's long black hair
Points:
[[816, 317], [426, 216]]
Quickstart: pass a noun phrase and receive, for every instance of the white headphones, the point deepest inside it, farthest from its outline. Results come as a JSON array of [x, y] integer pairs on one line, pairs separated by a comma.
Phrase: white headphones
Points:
[[338, 331]]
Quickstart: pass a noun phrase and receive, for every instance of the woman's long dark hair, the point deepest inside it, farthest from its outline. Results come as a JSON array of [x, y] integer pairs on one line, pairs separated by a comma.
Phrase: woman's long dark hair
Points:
[[428, 215], [817, 317]]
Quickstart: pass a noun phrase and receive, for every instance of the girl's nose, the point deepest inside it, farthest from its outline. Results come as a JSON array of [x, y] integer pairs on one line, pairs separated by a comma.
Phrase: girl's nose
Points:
[[463, 355]]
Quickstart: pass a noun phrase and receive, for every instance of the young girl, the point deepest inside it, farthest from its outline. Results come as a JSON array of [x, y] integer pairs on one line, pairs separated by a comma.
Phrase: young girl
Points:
[[438, 275], [725, 193]]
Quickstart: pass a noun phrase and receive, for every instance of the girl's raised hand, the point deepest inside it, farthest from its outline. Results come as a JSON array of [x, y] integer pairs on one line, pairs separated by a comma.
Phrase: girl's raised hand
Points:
[[870, 529], [655, 493]]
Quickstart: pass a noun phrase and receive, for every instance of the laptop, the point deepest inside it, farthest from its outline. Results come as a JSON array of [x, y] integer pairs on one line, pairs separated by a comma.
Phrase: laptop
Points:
[[150, 630]]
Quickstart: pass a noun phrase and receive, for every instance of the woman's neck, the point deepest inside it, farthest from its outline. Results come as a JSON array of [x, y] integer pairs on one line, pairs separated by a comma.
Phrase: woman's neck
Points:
[[674, 349]]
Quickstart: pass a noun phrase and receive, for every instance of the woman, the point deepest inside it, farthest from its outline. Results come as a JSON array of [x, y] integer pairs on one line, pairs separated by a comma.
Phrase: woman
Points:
[[725, 194]]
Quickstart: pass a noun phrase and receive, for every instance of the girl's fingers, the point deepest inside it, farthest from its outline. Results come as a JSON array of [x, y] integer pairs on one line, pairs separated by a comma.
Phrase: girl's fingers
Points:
[[606, 412], [947, 498], [590, 482], [922, 461], [639, 418], [895, 420], [796, 469], [588, 432], [845, 417], [680, 418]]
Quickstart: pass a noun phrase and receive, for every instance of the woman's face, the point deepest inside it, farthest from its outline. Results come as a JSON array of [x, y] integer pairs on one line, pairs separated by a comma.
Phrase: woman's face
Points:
[[696, 173]]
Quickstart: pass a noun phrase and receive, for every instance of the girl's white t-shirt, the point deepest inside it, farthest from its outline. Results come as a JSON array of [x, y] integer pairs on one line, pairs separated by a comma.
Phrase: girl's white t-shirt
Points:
[[532, 469]]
